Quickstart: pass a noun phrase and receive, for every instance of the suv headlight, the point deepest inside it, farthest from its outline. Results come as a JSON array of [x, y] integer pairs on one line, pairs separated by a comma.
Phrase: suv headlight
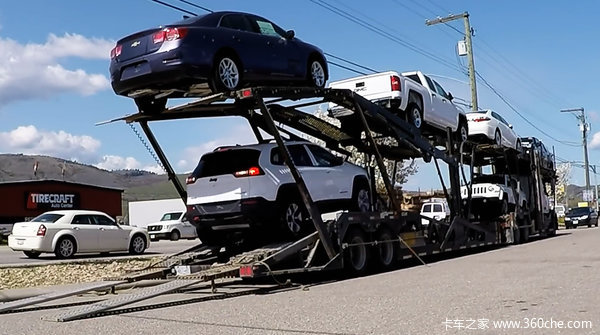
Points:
[[567, 218], [491, 188], [584, 217]]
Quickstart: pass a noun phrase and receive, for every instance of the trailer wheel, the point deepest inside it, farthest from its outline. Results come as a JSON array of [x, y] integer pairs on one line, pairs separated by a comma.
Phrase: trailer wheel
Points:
[[385, 249], [358, 253], [415, 115], [525, 235]]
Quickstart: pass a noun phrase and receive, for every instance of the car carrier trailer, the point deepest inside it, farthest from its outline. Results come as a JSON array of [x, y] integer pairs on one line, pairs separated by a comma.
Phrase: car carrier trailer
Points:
[[354, 242]]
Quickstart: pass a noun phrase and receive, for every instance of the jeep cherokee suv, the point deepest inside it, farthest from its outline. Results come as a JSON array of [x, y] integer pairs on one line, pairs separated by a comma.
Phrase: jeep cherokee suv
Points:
[[241, 189]]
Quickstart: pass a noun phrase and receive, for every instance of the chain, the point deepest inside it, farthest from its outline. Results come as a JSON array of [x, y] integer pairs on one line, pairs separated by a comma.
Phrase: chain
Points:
[[152, 154]]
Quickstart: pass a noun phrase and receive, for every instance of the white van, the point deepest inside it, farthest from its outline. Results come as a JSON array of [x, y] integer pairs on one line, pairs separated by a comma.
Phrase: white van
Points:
[[436, 209]]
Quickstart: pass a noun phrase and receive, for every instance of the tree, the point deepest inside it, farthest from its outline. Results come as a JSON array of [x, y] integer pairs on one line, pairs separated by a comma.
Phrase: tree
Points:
[[403, 169], [563, 175]]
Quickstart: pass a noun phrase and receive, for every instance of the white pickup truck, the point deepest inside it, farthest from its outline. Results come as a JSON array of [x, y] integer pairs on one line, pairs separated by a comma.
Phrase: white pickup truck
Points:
[[420, 99], [494, 195]]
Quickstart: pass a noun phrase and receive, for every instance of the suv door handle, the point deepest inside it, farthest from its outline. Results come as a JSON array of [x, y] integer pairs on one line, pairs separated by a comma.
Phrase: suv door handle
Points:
[[75, 228], [101, 228]]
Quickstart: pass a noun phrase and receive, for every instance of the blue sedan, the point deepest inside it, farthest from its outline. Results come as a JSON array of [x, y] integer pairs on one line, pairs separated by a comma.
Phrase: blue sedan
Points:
[[221, 51]]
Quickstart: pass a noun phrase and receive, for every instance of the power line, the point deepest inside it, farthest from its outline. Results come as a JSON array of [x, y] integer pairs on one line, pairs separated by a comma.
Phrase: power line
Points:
[[174, 7], [383, 33], [349, 62], [518, 113], [197, 6]]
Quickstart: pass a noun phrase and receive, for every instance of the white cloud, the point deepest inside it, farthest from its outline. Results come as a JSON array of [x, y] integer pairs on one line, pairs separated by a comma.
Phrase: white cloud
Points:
[[33, 70], [113, 162], [30, 140], [595, 142]]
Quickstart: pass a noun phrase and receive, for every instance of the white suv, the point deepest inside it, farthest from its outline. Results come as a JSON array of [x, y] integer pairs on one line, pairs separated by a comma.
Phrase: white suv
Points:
[[172, 226], [240, 189]]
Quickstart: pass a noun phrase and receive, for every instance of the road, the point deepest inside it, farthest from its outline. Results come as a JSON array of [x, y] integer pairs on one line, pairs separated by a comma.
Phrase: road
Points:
[[9, 257], [545, 281]]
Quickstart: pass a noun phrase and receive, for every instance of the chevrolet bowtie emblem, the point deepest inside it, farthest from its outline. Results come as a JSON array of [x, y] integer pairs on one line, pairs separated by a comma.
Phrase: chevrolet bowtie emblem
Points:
[[135, 44]]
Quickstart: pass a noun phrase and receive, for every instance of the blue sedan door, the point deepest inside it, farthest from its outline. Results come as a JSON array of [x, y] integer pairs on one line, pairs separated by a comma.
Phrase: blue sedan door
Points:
[[282, 55]]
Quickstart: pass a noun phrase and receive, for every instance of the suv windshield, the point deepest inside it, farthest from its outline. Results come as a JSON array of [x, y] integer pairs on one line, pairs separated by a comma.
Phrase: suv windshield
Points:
[[171, 216], [228, 161]]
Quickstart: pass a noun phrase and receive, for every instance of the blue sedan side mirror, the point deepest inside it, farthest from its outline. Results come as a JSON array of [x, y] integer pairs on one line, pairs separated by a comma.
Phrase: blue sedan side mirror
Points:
[[290, 34]]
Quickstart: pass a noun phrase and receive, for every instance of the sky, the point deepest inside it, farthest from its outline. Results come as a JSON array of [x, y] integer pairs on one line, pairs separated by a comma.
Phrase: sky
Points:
[[539, 56]]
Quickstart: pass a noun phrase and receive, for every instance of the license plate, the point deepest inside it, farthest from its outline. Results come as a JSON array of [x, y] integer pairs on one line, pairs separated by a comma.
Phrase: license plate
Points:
[[152, 236], [20, 242], [575, 222]]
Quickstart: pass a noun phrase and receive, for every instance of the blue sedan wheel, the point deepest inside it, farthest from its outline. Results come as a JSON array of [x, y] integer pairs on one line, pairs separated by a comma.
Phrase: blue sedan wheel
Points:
[[228, 74], [317, 73]]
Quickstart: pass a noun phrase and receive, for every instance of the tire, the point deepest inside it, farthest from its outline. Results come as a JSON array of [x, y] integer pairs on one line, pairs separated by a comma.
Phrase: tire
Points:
[[32, 254], [504, 207], [516, 236], [316, 73], [385, 251], [524, 235], [293, 217], [356, 258], [414, 115], [462, 133], [208, 237], [149, 105], [137, 245], [227, 74], [590, 225], [175, 235], [497, 137], [361, 197], [65, 247]]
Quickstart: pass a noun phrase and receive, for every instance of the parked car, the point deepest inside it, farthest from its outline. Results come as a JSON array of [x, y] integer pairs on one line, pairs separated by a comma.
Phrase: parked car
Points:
[[436, 209], [220, 50], [67, 232], [560, 211], [172, 226], [581, 216], [248, 188], [491, 126]]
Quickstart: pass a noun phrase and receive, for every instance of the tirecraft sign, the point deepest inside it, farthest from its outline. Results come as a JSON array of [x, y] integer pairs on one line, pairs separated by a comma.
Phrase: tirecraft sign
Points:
[[35, 200]]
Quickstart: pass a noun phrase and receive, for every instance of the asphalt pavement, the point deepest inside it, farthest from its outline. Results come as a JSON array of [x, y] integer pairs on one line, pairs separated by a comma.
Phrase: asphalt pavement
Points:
[[543, 285]]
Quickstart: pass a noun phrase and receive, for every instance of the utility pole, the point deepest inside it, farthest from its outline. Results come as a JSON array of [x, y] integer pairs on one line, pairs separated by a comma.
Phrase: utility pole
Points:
[[584, 128], [595, 184], [469, 44]]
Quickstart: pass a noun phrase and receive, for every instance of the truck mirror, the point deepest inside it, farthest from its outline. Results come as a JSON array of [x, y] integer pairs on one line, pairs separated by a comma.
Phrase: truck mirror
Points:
[[450, 97], [290, 34]]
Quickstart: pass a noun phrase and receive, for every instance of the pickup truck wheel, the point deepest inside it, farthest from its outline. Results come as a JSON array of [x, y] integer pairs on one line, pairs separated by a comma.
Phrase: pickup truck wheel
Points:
[[497, 137], [175, 235], [316, 73], [415, 115]]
